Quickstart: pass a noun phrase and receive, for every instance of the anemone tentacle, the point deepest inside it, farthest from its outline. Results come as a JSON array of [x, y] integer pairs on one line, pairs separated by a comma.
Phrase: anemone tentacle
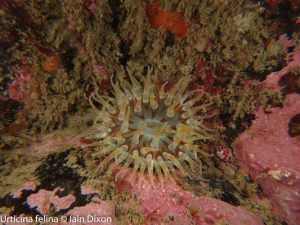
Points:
[[151, 129]]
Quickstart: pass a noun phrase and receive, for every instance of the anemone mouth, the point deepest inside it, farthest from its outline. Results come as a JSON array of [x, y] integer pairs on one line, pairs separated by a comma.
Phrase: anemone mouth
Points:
[[150, 129]]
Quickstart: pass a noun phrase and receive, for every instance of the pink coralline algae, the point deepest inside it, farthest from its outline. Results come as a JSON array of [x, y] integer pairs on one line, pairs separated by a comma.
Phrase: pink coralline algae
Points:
[[87, 190], [29, 186], [53, 142], [19, 89], [269, 153], [43, 200], [272, 158], [169, 201]]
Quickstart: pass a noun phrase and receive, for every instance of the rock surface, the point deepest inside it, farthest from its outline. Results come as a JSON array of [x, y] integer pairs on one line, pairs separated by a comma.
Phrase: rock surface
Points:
[[272, 158], [167, 203]]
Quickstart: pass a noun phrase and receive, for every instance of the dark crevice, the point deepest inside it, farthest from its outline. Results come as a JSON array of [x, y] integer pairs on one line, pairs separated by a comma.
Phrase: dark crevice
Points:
[[67, 59], [229, 198], [294, 126], [240, 125], [117, 15], [9, 111], [284, 13], [54, 173], [290, 83], [124, 49], [170, 40], [116, 10], [226, 188]]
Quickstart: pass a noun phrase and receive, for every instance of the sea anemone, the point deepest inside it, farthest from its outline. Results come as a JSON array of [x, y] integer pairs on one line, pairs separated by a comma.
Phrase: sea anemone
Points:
[[151, 128]]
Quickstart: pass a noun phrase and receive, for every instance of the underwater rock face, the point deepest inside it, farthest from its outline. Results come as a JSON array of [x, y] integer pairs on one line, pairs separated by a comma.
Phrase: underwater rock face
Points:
[[54, 54], [272, 158], [168, 203]]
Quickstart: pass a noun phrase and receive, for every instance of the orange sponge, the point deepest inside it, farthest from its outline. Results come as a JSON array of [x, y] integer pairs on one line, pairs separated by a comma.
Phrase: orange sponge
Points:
[[171, 21]]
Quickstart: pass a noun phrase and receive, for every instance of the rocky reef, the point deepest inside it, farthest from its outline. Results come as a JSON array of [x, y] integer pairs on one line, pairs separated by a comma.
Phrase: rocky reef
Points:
[[149, 112]]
